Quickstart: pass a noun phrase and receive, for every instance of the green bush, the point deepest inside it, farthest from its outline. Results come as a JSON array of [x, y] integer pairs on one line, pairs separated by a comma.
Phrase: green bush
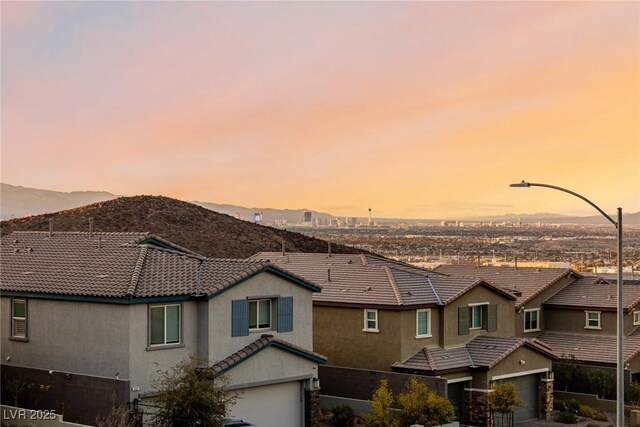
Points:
[[599, 416], [572, 405], [585, 411], [559, 405], [601, 382], [343, 415], [566, 418]]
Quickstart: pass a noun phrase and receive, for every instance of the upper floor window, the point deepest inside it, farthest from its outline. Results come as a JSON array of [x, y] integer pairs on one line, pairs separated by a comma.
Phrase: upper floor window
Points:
[[636, 318], [260, 314], [531, 322], [477, 316], [19, 318], [164, 324], [423, 323], [370, 320], [592, 320]]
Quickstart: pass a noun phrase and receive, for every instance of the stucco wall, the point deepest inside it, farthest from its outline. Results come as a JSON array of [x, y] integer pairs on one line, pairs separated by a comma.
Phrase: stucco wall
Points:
[[144, 363], [222, 344], [409, 343], [480, 294], [75, 337], [533, 361], [536, 302], [271, 365], [338, 335], [563, 320]]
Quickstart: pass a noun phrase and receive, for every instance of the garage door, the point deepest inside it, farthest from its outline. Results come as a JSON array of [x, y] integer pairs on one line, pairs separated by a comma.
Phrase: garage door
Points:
[[528, 390], [277, 405]]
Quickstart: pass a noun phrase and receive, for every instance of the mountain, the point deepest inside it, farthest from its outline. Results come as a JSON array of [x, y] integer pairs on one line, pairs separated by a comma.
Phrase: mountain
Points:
[[23, 201], [202, 230]]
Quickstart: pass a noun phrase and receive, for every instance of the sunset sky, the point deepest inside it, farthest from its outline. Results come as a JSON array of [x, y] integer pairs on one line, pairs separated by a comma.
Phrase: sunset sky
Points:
[[417, 110]]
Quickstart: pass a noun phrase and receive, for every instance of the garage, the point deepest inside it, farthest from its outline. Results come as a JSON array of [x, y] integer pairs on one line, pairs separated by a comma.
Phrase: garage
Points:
[[275, 405], [527, 386]]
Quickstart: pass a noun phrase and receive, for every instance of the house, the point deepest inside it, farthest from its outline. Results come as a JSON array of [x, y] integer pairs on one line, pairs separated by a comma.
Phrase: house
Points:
[[379, 314], [94, 316]]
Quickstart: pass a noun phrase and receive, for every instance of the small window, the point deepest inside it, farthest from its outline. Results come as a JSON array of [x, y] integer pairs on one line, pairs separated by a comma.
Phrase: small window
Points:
[[260, 314], [370, 320], [19, 318], [476, 317], [423, 323], [636, 318], [531, 320], [164, 324], [592, 320]]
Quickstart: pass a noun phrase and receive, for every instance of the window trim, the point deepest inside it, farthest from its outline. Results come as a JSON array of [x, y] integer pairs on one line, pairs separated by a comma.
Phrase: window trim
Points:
[[537, 328], [636, 318], [471, 317], [428, 334], [586, 324], [366, 320], [257, 301], [12, 335], [165, 344]]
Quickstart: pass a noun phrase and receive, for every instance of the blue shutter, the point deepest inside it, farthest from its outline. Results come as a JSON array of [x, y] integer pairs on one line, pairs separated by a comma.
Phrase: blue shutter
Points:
[[239, 318], [285, 314]]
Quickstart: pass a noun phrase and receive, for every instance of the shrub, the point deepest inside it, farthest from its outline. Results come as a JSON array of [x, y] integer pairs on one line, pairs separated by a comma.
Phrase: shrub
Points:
[[600, 381], [567, 370], [382, 413], [504, 398], [421, 405], [559, 405], [599, 416], [343, 415], [633, 392], [585, 411], [572, 405], [566, 418]]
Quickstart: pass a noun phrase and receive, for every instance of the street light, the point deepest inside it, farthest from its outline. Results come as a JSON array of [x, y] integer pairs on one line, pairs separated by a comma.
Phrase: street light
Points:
[[620, 358]]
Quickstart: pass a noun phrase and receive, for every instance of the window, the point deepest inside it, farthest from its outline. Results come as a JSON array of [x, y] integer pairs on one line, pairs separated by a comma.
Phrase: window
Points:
[[260, 314], [164, 324], [370, 320], [636, 317], [592, 320], [476, 317], [19, 318], [531, 320], [253, 315], [423, 323]]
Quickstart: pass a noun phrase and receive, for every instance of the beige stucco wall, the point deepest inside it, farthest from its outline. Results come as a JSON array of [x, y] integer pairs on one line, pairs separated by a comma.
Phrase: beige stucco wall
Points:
[[144, 364], [409, 344], [271, 365], [536, 302], [74, 337], [338, 335], [563, 320], [222, 344], [479, 294], [533, 361]]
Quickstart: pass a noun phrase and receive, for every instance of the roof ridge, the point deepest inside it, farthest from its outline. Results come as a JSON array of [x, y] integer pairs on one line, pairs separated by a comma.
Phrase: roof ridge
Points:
[[430, 360], [137, 271], [363, 259], [394, 285], [566, 273], [434, 291]]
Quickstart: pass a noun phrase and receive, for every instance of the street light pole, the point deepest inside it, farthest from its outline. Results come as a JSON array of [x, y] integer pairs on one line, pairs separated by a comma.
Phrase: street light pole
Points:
[[620, 315]]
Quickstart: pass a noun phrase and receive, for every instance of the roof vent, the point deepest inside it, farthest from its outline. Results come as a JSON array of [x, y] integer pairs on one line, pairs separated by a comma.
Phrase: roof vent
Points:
[[15, 241], [16, 250], [29, 249]]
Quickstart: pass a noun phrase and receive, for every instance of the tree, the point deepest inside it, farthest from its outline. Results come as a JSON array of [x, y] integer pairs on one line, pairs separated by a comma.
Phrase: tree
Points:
[[600, 381], [633, 393], [421, 405], [189, 396], [567, 370], [504, 398], [382, 412]]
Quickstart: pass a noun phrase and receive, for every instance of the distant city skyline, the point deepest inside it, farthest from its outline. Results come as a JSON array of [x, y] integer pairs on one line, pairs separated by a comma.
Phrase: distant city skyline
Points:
[[416, 109]]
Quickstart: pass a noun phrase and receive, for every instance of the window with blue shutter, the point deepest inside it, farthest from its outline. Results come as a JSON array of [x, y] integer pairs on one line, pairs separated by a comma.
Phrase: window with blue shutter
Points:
[[239, 318], [285, 314]]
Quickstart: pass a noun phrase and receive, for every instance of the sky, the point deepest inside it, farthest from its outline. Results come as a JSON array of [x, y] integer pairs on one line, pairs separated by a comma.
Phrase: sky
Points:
[[412, 109]]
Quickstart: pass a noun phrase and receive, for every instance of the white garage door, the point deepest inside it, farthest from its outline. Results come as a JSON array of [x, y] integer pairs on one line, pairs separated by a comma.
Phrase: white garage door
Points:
[[277, 405]]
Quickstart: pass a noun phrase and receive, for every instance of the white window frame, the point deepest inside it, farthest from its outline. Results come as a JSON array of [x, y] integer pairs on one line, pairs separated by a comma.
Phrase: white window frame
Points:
[[366, 320], [165, 343], [636, 318], [15, 319], [537, 328], [586, 316], [264, 328], [428, 334]]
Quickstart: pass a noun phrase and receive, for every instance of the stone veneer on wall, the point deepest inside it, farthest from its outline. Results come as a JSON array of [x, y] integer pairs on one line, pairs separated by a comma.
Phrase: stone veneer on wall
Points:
[[311, 408], [546, 398], [477, 411]]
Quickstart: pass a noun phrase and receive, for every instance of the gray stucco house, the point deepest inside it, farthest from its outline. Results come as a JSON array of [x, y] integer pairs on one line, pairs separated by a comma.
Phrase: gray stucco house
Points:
[[95, 316]]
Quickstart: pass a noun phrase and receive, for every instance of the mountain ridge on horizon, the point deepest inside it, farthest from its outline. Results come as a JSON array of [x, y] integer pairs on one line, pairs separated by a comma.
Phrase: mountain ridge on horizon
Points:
[[20, 201]]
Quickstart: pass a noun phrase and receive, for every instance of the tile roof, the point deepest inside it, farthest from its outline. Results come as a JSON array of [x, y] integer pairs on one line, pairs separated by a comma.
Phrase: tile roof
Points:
[[528, 282], [116, 265], [371, 280], [596, 293], [480, 352], [255, 347], [592, 348]]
